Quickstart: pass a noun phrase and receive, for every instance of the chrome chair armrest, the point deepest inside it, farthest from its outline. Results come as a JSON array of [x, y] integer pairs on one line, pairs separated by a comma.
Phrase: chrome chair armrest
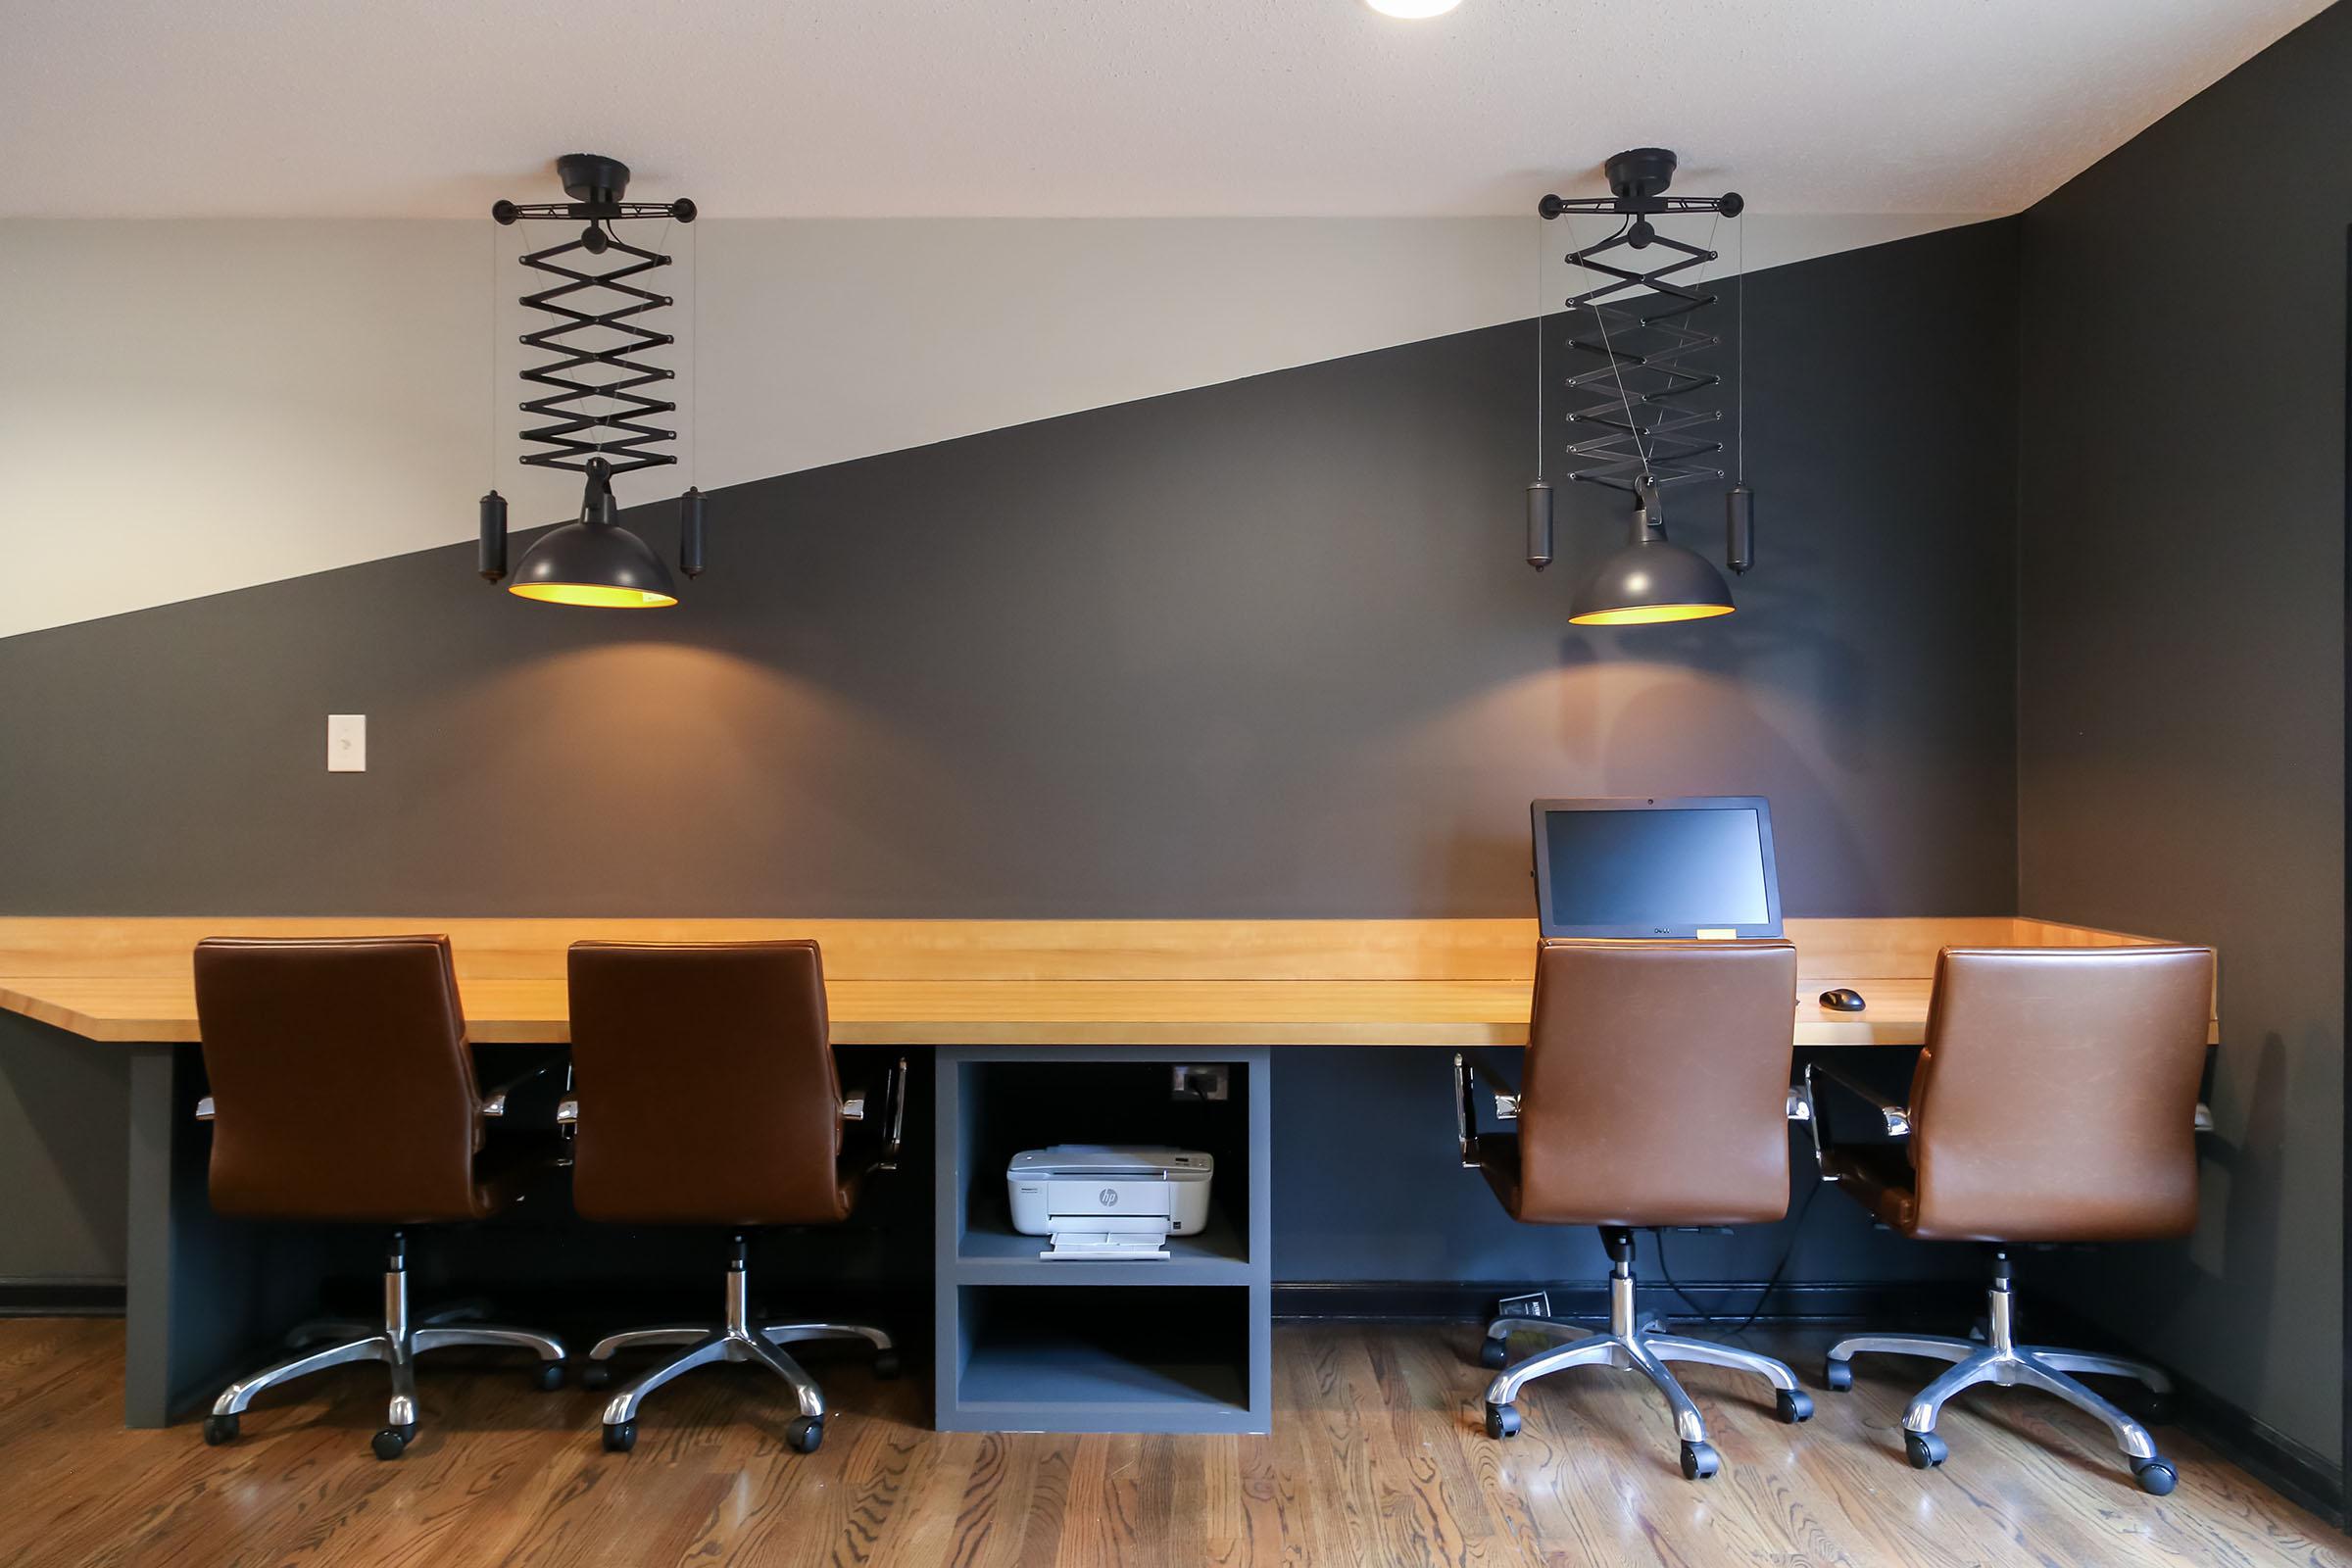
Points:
[[568, 1113], [1465, 1116], [494, 1103], [855, 1107], [204, 1108], [2202, 1121], [1463, 1134], [1804, 1105], [1896, 1116]]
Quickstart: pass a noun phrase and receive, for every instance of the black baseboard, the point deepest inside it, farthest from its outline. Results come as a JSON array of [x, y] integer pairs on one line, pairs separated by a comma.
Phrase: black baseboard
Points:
[[60, 1298], [1903, 1304], [2286, 1466]]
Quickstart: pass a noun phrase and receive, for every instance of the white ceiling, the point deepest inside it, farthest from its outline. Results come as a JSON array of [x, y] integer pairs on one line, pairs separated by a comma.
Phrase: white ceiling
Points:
[[901, 107]]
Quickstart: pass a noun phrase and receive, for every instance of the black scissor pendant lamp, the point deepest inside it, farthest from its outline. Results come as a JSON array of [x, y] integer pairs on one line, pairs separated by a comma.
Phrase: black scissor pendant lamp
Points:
[[597, 398], [1643, 410]]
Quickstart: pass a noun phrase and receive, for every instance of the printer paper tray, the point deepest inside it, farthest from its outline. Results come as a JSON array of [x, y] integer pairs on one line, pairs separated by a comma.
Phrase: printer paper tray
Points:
[[1109, 1245]]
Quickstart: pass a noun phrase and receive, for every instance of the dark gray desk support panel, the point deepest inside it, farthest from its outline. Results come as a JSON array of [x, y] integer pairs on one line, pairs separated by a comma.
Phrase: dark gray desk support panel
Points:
[[203, 1292], [1029, 1345], [176, 1249]]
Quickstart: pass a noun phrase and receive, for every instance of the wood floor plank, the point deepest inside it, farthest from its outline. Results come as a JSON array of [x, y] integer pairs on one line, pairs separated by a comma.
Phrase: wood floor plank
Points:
[[1377, 1456]]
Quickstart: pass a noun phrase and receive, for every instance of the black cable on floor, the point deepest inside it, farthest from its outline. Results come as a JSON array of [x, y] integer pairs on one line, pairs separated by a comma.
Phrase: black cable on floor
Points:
[[1772, 1281]]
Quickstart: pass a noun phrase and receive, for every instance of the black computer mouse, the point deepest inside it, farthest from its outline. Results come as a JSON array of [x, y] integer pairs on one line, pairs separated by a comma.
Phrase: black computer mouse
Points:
[[1842, 999]]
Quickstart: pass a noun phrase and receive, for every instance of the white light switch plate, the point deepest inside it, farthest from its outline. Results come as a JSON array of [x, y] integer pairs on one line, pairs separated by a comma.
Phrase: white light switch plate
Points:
[[346, 743]]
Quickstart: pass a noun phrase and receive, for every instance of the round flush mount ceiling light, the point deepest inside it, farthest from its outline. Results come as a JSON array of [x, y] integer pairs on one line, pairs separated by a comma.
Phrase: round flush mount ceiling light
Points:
[[1412, 9]]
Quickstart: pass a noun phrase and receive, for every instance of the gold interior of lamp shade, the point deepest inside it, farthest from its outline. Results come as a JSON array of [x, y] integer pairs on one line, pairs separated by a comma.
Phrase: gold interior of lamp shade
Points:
[[1644, 615], [602, 596]]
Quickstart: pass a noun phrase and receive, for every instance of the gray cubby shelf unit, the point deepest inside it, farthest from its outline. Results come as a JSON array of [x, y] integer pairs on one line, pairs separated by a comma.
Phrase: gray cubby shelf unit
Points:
[[1025, 1345]]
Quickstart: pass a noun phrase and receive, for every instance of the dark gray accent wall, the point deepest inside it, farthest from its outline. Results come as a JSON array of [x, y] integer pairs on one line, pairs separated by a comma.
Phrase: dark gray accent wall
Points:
[[2182, 651], [64, 1152], [1259, 649]]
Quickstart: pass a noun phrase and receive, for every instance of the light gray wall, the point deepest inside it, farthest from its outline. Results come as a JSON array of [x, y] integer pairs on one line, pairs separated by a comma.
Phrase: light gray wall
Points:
[[2181, 656]]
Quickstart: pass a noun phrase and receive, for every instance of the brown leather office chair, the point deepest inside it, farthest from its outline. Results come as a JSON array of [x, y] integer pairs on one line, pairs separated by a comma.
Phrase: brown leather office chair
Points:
[[1655, 1092], [706, 1094], [2056, 1101], [343, 1089]]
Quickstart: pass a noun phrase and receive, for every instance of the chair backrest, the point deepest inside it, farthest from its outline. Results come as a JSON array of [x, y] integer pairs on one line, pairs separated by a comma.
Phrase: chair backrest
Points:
[[1656, 1087], [706, 1083], [2057, 1096], [342, 1083]]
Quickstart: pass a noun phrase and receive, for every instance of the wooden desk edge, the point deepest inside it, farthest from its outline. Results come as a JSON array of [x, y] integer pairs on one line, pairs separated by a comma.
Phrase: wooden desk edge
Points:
[[1863, 951]]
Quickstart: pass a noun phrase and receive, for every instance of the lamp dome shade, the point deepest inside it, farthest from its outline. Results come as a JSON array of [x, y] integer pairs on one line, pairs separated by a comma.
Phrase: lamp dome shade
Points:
[[1649, 580], [595, 564]]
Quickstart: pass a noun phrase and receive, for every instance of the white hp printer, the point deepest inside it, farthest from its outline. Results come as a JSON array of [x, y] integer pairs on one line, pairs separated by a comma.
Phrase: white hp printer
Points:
[[1108, 1201]]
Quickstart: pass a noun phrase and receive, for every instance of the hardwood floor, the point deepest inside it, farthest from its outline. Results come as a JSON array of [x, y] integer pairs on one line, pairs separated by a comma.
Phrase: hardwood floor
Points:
[[1377, 1456]]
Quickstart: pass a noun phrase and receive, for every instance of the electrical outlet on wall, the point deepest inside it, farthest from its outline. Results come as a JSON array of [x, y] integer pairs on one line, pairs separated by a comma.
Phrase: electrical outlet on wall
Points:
[[1189, 1082], [346, 743]]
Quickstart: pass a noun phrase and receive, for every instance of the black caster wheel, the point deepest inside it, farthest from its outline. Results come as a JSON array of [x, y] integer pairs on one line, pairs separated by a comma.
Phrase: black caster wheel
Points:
[[1838, 1375], [2156, 1477], [1494, 1354], [885, 1365], [1699, 1461], [392, 1442], [1924, 1449], [220, 1429], [1792, 1405], [550, 1377], [1502, 1421], [620, 1436], [596, 1374], [804, 1433]]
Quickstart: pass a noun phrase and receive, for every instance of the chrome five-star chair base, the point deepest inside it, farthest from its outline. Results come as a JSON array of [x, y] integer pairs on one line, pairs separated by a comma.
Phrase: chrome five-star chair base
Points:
[[396, 1344], [738, 1339], [1997, 1359], [1630, 1344]]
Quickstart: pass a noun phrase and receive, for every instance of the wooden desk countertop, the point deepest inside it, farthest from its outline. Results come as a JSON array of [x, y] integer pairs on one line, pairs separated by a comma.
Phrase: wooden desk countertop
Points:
[[1048, 981], [1445, 983]]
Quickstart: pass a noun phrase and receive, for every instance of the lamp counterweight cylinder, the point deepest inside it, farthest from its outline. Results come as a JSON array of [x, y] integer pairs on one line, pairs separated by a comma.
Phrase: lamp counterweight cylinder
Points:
[[1538, 525], [491, 562], [1739, 528], [690, 532]]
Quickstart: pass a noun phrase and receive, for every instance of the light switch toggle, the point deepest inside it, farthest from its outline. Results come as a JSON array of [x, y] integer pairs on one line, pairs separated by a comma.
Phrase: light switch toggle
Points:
[[346, 743]]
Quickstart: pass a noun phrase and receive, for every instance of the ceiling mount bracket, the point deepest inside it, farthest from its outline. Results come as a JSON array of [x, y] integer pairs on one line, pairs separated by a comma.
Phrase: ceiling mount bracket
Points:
[[1639, 178], [599, 180], [1641, 173], [596, 184]]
